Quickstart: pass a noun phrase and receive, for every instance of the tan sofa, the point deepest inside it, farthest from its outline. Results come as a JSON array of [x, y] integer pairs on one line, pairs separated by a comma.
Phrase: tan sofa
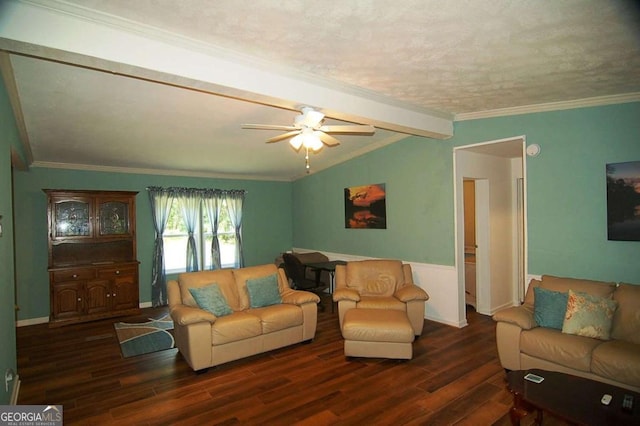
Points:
[[522, 344], [205, 340]]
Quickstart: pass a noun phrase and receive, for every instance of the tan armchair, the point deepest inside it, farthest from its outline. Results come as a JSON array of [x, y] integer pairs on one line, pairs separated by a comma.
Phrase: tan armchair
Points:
[[380, 284]]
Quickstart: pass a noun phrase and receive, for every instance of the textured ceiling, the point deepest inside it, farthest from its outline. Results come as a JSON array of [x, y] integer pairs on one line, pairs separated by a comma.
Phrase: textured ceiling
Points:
[[456, 55], [449, 58]]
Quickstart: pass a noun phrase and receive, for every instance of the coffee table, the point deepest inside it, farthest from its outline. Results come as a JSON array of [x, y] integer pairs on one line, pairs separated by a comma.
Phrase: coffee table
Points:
[[571, 398]]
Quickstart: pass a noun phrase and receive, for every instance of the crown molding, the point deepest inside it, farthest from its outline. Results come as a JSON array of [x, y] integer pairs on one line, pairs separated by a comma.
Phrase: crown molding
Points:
[[157, 172], [551, 106]]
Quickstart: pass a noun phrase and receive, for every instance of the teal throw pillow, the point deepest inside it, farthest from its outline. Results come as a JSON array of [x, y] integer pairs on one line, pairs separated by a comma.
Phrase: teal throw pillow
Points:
[[589, 315], [210, 299], [263, 291], [549, 307]]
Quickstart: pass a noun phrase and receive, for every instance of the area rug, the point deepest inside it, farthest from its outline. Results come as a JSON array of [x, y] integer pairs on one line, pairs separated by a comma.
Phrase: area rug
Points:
[[143, 338]]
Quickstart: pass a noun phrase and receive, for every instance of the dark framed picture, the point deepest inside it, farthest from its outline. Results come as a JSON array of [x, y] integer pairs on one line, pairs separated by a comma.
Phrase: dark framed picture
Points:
[[623, 201], [365, 207]]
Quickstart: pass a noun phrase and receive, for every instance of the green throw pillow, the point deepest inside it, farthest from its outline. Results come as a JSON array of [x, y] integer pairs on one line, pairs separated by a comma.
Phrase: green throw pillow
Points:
[[263, 291], [549, 307], [210, 299], [589, 315]]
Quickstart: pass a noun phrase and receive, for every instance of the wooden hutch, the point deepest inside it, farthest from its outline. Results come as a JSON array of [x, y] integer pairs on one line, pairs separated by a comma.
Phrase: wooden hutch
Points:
[[93, 267]]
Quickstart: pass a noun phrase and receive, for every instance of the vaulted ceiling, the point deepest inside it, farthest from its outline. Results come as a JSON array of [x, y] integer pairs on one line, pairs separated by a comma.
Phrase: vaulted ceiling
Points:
[[159, 86]]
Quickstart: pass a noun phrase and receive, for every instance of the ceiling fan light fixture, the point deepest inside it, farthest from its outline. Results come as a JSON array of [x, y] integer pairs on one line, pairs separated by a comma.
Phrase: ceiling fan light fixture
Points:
[[296, 142], [313, 142]]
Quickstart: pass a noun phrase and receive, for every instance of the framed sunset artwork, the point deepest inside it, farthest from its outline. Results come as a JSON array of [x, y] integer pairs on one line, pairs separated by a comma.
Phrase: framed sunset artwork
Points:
[[365, 207]]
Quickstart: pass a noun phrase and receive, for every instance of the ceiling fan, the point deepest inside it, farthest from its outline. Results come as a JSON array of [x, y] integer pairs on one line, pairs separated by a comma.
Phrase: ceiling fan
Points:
[[308, 131]]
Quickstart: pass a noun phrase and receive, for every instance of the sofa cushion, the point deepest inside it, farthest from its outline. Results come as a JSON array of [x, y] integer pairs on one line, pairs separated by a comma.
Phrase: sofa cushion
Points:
[[210, 299], [375, 277], [617, 360], [263, 291], [371, 325], [549, 307], [588, 315], [553, 345], [597, 288], [278, 317], [626, 320], [223, 277], [369, 302], [235, 327]]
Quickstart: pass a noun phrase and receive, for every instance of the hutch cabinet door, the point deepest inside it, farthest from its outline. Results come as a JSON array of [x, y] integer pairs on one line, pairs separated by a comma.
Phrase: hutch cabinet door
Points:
[[97, 296], [71, 217], [114, 217], [67, 301], [125, 292]]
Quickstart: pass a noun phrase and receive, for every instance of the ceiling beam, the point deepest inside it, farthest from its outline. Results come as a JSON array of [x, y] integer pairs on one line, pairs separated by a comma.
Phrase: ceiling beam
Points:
[[70, 34]]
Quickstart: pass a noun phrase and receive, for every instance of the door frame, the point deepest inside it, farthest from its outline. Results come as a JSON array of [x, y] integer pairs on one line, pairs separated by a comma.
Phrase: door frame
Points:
[[483, 253]]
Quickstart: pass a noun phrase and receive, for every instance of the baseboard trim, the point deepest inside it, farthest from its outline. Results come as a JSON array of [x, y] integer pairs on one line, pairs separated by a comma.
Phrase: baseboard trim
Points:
[[43, 320], [32, 321]]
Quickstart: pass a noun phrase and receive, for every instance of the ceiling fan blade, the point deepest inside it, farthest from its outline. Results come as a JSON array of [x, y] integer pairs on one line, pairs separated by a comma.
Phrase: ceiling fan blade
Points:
[[267, 127], [327, 139], [349, 129], [283, 136]]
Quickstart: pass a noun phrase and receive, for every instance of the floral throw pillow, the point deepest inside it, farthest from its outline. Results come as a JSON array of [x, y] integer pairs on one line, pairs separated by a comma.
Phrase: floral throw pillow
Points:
[[589, 315]]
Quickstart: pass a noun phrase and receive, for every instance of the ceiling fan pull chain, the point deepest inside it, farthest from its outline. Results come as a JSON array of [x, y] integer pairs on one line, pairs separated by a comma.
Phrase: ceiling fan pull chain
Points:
[[306, 159]]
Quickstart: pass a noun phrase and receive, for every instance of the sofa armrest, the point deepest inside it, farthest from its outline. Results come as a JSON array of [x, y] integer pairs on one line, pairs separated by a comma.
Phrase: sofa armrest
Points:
[[299, 297], [522, 316], [346, 294], [411, 292], [185, 315]]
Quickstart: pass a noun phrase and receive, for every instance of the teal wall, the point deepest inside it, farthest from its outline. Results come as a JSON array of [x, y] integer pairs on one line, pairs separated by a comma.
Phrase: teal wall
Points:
[[419, 186], [566, 194], [8, 140], [266, 223]]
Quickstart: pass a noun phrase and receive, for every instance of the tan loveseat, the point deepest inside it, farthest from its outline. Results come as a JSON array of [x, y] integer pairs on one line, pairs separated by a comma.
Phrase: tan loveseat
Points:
[[205, 340], [522, 344]]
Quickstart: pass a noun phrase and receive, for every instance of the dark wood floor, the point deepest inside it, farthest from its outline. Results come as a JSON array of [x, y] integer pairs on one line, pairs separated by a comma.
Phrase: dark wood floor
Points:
[[453, 378]]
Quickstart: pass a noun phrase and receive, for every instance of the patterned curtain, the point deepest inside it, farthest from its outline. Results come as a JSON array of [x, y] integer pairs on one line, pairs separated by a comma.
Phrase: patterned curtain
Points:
[[235, 200], [211, 202], [189, 200], [161, 200]]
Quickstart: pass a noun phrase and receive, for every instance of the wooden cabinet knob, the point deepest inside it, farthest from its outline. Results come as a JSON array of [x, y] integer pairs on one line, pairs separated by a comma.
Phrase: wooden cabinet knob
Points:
[[117, 272], [75, 275]]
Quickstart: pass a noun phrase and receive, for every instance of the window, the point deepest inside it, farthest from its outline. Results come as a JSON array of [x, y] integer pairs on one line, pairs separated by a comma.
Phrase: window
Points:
[[175, 240]]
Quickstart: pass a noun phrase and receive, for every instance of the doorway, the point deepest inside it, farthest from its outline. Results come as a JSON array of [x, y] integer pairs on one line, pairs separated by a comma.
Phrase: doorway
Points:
[[494, 172], [469, 197]]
